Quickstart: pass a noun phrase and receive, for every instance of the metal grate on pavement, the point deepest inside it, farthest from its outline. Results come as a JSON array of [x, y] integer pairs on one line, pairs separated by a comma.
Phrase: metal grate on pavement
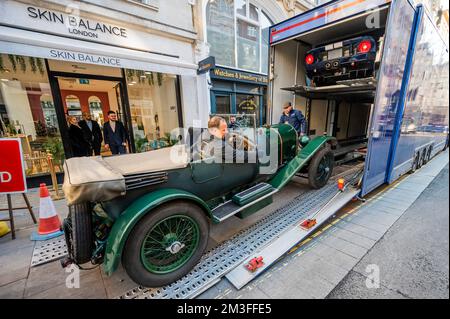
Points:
[[48, 250]]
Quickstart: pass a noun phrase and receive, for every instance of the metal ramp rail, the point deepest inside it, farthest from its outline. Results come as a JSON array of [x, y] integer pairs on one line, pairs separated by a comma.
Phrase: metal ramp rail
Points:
[[224, 258]]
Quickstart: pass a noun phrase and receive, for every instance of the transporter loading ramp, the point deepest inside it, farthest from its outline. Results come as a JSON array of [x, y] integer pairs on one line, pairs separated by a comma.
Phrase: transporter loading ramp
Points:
[[271, 230]]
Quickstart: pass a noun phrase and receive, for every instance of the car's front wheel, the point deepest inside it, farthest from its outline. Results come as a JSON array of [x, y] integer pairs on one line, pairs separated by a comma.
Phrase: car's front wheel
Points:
[[78, 231], [321, 168], [166, 244]]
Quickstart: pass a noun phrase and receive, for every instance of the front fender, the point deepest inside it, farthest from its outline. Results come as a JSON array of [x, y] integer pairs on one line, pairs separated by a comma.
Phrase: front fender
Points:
[[284, 175], [133, 213]]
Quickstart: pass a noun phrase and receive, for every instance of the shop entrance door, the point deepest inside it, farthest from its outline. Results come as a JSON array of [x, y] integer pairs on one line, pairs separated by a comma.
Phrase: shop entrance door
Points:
[[249, 104], [77, 93]]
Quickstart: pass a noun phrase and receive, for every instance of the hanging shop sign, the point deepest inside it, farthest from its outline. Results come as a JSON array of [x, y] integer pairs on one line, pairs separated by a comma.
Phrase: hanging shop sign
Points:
[[236, 75], [206, 64]]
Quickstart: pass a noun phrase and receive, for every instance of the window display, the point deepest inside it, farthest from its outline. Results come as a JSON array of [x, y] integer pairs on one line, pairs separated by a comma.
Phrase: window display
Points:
[[29, 112], [153, 107], [237, 32]]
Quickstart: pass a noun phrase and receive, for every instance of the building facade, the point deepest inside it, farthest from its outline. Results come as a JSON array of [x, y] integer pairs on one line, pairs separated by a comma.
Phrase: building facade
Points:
[[235, 32], [62, 58], [139, 58]]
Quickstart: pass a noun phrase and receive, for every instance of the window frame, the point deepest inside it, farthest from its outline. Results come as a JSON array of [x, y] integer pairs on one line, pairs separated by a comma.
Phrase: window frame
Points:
[[250, 21]]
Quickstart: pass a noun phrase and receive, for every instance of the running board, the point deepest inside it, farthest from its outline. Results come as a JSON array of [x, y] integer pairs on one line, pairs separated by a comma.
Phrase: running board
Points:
[[241, 275], [232, 207]]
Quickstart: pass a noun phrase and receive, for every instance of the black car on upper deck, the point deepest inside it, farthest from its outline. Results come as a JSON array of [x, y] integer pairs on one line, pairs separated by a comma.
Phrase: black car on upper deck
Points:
[[349, 59]]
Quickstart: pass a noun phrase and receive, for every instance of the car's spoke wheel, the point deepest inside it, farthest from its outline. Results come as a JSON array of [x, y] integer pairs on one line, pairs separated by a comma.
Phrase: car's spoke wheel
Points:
[[170, 243], [166, 244], [321, 168]]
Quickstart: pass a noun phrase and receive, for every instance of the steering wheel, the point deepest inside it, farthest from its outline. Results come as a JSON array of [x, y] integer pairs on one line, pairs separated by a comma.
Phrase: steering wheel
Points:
[[241, 142]]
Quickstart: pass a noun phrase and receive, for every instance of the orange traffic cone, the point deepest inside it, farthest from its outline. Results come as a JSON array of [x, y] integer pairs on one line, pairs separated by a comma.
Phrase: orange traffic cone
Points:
[[49, 223]]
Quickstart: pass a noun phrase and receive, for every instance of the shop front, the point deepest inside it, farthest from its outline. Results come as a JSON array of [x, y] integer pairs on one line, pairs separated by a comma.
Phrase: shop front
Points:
[[237, 34], [54, 66], [239, 92]]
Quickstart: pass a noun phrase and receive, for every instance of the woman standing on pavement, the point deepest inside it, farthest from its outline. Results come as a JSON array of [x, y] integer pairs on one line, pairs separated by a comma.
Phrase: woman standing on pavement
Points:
[[80, 147]]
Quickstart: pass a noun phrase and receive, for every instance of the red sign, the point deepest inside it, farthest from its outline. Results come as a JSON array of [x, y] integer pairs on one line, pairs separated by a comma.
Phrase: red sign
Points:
[[12, 174]]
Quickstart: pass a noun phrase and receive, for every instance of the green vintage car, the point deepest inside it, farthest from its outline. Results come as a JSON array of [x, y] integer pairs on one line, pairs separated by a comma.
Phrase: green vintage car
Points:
[[152, 211]]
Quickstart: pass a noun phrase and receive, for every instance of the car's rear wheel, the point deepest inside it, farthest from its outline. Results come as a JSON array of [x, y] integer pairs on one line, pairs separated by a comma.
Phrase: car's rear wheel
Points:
[[78, 230], [321, 168], [166, 244]]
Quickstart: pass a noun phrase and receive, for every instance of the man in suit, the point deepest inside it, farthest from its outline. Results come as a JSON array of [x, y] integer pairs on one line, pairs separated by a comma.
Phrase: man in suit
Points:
[[92, 133], [115, 135]]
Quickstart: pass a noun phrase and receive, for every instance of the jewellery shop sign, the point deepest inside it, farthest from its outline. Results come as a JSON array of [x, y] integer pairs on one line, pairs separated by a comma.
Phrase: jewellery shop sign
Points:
[[69, 24]]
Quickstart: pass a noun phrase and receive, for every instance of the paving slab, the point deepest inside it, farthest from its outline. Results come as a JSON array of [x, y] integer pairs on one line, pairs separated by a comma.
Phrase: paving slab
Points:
[[14, 265], [91, 287], [367, 222], [352, 237], [380, 216], [118, 283], [46, 276], [14, 290], [360, 230], [354, 286], [275, 289], [331, 255]]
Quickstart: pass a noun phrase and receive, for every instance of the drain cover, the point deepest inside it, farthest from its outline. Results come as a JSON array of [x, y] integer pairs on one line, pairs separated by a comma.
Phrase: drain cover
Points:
[[48, 250]]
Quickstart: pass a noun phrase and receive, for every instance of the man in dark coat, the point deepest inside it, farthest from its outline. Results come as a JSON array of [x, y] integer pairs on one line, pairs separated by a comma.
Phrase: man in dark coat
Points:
[[294, 118], [115, 135], [78, 143], [92, 133]]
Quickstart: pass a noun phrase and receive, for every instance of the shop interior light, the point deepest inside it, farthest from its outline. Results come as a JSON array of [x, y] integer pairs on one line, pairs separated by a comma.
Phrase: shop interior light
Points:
[[5, 80]]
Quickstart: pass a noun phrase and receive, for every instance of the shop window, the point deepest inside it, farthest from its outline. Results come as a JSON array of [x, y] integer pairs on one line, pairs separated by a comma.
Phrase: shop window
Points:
[[248, 46], [221, 31], [154, 108], [95, 108], [27, 112], [265, 24], [254, 12], [228, 20], [223, 103], [248, 105], [241, 7], [73, 106]]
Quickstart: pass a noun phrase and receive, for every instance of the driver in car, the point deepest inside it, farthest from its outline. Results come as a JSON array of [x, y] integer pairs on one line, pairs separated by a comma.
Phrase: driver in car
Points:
[[217, 143]]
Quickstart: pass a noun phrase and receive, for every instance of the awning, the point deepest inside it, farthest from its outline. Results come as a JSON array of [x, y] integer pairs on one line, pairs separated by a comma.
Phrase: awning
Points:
[[29, 43]]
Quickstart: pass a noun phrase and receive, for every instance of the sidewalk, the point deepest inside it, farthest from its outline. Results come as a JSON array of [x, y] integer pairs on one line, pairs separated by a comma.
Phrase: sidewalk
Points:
[[312, 270], [315, 267], [412, 257]]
